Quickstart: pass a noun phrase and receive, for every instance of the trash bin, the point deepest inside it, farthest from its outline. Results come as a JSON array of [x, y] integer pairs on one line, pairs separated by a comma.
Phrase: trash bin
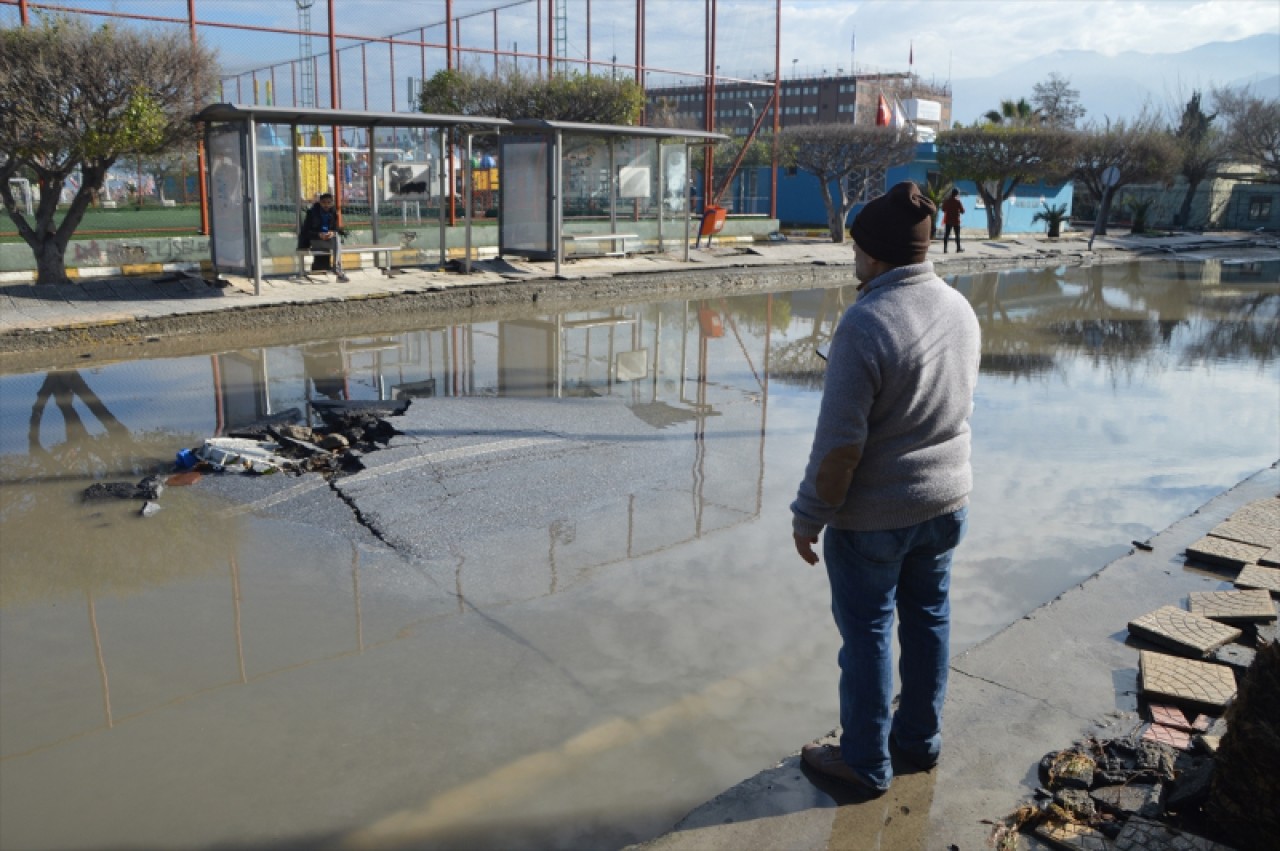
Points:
[[712, 220]]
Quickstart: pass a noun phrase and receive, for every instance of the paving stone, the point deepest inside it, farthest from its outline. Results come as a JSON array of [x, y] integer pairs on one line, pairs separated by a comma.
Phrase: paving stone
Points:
[[1181, 631], [1202, 723], [1140, 834], [1271, 558], [1169, 716], [1170, 736], [1247, 533], [1237, 657], [1187, 680], [1220, 551], [1234, 606], [1260, 512], [1139, 799], [1257, 576], [1073, 837]]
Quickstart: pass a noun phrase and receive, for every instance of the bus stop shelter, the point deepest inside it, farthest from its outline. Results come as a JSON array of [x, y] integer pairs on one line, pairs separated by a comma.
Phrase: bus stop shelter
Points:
[[550, 165], [255, 176]]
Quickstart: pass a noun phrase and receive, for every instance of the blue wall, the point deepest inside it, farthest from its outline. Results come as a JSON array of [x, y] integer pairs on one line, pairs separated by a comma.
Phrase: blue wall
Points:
[[800, 199]]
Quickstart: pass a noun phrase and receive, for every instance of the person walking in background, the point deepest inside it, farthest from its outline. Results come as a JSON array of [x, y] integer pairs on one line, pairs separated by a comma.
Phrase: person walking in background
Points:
[[889, 479], [320, 232], [952, 209]]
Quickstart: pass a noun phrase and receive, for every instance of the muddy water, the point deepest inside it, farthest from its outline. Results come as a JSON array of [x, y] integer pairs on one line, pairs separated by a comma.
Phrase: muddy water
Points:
[[562, 649]]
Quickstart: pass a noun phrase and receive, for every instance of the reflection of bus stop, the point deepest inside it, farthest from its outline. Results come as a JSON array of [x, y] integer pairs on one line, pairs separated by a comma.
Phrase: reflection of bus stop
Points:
[[256, 182]]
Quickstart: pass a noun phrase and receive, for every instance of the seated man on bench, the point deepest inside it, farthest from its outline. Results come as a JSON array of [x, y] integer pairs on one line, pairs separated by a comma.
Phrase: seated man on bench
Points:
[[320, 233]]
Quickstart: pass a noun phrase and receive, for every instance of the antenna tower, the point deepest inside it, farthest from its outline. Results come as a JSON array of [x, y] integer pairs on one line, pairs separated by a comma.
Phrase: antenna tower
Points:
[[561, 16], [308, 94]]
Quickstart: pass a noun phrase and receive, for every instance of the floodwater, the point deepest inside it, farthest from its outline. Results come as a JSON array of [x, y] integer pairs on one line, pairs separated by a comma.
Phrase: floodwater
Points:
[[564, 640]]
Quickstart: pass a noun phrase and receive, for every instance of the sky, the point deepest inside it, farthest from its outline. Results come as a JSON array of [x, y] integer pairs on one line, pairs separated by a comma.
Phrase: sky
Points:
[[948, 39]]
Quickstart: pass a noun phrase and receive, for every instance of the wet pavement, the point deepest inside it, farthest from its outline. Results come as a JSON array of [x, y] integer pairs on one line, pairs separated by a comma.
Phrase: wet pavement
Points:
[[342, 658], [107, 310], [1061, 673]]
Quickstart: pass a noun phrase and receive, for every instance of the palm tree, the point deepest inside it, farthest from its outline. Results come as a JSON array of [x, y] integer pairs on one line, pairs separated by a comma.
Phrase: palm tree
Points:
[[1017, 113], [1053, 215]]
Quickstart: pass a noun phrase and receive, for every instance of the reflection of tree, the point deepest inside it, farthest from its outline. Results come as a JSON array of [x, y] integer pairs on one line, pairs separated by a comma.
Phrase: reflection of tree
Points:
[[794, 362], [1112, 335], [63, 386], [55, 545], [1009, 347], [1252, 330]]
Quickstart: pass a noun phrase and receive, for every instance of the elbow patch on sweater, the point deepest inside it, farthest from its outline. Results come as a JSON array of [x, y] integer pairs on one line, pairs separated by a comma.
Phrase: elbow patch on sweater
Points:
[[835, 474]]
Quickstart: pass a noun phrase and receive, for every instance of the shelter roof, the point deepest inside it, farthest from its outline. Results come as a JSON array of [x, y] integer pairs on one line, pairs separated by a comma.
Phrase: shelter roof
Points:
[[341, 117]]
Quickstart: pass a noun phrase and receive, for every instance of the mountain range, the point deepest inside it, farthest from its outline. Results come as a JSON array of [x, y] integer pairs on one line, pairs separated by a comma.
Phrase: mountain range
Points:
[[1118, 86]]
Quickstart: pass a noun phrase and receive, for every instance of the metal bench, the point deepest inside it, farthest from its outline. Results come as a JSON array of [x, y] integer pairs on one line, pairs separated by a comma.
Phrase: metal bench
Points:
[[612, 238], [384, 249]]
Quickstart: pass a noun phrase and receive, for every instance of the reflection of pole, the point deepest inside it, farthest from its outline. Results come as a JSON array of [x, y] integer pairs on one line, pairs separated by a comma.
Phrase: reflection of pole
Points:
[[355, 591], [235, 602], [102, 662], [777, 102]]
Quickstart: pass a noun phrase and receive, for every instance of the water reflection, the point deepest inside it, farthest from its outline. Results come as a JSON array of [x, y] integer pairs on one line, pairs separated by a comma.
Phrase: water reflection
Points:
[[580, 541]]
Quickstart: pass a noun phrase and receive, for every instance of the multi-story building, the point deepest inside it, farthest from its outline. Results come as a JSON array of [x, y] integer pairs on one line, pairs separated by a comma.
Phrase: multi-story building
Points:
[[844, 99]]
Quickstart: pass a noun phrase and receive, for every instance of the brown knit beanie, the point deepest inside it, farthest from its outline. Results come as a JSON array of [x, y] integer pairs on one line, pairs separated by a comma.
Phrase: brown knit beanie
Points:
[[896, 227]]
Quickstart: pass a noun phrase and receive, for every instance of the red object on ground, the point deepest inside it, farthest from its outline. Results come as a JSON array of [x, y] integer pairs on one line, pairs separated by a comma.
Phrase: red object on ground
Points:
[[178, 479], [712, 220]]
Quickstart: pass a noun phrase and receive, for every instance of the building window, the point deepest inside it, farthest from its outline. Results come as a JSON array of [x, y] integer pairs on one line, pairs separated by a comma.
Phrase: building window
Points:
[[1260, 208]]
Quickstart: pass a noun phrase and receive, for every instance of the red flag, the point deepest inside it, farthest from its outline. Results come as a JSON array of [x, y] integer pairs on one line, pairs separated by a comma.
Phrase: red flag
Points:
[[883, 115]]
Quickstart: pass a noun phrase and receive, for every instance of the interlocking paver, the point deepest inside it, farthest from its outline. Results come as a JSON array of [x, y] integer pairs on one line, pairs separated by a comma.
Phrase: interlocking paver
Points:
[[1186, 680], [1073, 837], [1139, 834], [1181, 631], [1270, 558], [1257, 576], [1247, 533], [1260, 512], [1253, 606], [1169, 716], [1213, 550], [1179, 739]]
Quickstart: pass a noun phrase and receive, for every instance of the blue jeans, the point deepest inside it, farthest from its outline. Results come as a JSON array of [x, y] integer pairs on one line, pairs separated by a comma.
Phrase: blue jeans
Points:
[[870, 573]]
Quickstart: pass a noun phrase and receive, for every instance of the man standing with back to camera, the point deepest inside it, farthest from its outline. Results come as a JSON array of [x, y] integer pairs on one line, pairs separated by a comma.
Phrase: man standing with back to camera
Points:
[[889, 478]]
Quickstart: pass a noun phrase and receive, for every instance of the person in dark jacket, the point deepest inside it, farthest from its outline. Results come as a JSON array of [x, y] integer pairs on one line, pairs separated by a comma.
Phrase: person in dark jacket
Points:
[[320, 232], [952, 209]]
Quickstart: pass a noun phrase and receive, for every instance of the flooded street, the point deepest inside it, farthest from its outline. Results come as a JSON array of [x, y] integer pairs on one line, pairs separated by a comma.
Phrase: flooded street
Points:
[[562, 607]]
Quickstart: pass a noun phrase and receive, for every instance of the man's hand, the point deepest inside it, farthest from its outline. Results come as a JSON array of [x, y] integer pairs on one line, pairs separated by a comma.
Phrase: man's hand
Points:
[[804, 546]]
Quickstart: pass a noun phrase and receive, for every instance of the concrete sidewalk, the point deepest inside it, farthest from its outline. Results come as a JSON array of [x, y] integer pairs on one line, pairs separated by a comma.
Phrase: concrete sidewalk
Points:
[[103, 310], [1066, 670]]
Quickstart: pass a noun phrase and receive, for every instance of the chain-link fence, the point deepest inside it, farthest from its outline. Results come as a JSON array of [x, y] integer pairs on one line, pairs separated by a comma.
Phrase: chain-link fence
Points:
[[374, 55]]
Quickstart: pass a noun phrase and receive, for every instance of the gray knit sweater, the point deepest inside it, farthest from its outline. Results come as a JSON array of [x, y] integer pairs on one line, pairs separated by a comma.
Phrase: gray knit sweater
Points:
[[892, 442]]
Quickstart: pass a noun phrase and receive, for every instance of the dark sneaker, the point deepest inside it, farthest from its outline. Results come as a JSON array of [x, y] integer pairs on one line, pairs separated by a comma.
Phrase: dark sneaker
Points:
[[827, 761], [342, 279]]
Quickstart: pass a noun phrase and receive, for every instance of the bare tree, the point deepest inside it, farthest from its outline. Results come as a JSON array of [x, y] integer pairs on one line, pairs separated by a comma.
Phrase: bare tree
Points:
[[841, 156], [1057, 103], [1000, 159], [1252, 128], [1140, 151], [77, 98]]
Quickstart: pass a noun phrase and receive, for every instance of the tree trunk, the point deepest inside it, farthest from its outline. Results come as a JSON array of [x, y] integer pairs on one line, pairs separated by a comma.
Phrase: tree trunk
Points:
[[1184, 212], [834, 223], [51, 263], [1104, 210]]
